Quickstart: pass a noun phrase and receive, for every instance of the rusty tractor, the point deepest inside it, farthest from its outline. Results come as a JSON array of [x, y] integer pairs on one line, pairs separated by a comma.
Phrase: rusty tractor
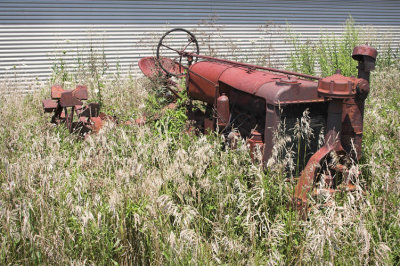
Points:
[[254, 100]]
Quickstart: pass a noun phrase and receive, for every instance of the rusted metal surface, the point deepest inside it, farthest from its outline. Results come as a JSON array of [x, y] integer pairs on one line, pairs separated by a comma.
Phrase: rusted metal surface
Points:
[[96, 123], [255, 143], [208, 125], [274, 88], [352, 126], [69, 100], [150, 66], [337, 86], [345, 110], [56, 91], [253, 101], [65, 104], [353, 108], [49, 106], [80, 92], [250, 67], [332, 143], [154, 70], [223, 114], [364, 50]]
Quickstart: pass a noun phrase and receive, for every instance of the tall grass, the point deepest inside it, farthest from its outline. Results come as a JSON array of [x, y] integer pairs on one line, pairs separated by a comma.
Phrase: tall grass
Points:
[[331, 52], [134, 194], [154, 194]]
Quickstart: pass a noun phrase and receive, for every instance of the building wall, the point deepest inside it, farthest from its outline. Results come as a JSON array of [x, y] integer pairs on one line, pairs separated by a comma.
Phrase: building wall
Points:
[[36, 34]]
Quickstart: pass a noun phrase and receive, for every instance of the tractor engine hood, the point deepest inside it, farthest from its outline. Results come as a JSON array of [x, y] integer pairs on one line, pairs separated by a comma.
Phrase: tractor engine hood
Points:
[[276, 89]]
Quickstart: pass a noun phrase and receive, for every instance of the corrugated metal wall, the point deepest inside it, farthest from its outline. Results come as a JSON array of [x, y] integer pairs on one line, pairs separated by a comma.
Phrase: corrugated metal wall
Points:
[[36, 34]]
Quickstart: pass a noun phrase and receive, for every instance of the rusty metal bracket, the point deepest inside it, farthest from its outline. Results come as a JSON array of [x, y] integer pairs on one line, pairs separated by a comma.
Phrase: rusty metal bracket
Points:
[[64, 104]]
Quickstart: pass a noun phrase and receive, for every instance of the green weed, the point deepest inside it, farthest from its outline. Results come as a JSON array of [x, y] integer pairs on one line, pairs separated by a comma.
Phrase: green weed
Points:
[[331, 52]]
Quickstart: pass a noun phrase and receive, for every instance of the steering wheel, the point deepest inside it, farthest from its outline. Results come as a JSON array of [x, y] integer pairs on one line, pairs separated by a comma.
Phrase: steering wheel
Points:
[[169, 47]]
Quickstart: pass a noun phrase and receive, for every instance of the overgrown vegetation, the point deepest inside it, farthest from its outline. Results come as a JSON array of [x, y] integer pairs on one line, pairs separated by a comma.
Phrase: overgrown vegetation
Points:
[[331, 52], [154, 194]]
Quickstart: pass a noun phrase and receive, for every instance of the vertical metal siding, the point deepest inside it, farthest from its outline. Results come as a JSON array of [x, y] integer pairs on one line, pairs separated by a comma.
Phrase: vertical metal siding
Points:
[[36, 33]]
